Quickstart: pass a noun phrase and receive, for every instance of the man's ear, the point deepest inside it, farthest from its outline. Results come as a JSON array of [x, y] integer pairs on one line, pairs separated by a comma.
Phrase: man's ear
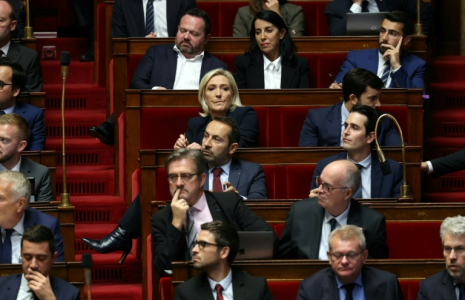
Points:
[[13, 25], [21, 203], [21, 146], [406, 40], [233, 148], [206, 39], [370, 137], [54, 257], [202, 179], [353, 100], [224, 252], [16, 91]]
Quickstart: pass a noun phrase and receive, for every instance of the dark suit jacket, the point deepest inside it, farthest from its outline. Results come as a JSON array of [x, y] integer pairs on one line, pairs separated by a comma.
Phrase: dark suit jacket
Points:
[[158, 68], [410, 75], [128, 17], [33, 216], [250, 74], [336, 13], [35, 119], [322, 127], [245, 287], [62, 289], [29, 60], [302, 231], [382, 186], [247, 177], [377, 284], [43, 185], [439, 286], [170, 244], [245, 118], [451, 163]]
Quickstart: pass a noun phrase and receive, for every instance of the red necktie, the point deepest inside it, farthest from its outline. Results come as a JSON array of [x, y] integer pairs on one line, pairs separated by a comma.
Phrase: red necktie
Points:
[[217, 187], [219, 292]]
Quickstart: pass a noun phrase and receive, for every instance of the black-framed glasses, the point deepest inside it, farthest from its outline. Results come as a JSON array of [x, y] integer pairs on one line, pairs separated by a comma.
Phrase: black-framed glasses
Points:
[[203, 244], [328, 188], [351, 256], [2, 84], [185, 177], [458, 250]]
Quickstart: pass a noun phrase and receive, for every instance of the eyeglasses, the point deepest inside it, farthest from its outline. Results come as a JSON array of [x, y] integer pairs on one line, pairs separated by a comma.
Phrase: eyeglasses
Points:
[[351, 256], [2, 84], [185, 177], [326, 187], [203, 244], [458, 250]]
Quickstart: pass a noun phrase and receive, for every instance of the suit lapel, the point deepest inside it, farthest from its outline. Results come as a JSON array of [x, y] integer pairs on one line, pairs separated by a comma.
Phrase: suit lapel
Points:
[[13, 51], [206, 65], [257, 74], [234, 173], [204, 290], [373, 289], [372, 62], [172, 10], [238, 286], [28, 219], [287, 75], [13, 289], [173, 61], [215, 208], [354, 213], [376, 177], [137, 12], [329, 289], [334, 125], [314, 235], [448, 290], [206, 185]]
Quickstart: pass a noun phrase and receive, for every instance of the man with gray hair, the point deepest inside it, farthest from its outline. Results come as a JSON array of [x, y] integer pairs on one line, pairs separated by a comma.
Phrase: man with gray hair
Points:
[[348, 278], [450, 283], [310, 221], [16, 217]]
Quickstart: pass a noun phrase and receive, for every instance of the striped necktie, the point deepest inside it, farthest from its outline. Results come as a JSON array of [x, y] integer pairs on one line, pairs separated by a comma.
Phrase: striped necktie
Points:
[[191, 231], [386, 72], [358, 194], [149, 18]]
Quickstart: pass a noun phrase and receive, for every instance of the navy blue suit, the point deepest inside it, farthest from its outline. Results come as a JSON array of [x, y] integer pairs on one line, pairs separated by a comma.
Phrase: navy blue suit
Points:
[[30, 61], [377, 284], [439, 286], [382, 186], [251, 75], [336, 13], [63, 290], [34, 217], [322, 127], [302, 231], [247, 177], [410, 75], [245, 118], [35, 119], [158, 68], [451, 163]]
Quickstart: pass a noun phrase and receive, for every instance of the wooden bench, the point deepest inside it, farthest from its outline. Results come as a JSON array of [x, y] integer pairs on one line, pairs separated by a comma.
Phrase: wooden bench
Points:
[[46, 158], [34, 98]]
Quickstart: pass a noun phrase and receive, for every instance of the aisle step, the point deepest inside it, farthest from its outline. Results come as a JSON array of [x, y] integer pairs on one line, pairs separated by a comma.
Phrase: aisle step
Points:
[[78, 72], [77, 97], [87, 180], [98, 209], [88, 151], [77, 122], [448, 123], [116, 291]]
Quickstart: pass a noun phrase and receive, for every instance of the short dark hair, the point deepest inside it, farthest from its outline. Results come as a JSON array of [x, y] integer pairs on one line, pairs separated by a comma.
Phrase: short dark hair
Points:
[[39, 234], [199, 13], [225, 236], [19, 76], [356, 82], [403, 17], [256, 5], [234, 135], [370, 113], [193, 154]]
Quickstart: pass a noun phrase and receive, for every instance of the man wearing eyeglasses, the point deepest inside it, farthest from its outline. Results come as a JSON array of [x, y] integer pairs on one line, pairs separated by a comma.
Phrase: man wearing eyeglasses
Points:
[[348, 278], [310, 221], [450, 283], [214, 250], [175, 227]]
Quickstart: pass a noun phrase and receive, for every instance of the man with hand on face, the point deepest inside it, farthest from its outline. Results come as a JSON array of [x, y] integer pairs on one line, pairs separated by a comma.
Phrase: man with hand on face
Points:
[[214, 250], [38, 255], [396, 68], [310, 221], [348, 278], [448, 284], [175, 227], [325, 126]]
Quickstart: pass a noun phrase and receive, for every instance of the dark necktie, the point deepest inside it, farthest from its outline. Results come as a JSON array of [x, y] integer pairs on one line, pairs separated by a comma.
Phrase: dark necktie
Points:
[[219, 292], [333, 223], [149, 16], [349, 288], [2, 112], [365, 6], [6, 248], [217, 187], [461, 287], [2, 53], [386, 72], [358, 194], [191, 231]]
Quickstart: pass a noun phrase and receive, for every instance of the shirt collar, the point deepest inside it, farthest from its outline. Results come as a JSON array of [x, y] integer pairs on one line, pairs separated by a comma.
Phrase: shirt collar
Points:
[[267, 62], [224, 283], [341, 219], [197, 57], [357, 280], [365, 163], [15, 168], [382, 60], [6, 48], [226, 168], [344, 113], [200, 205]]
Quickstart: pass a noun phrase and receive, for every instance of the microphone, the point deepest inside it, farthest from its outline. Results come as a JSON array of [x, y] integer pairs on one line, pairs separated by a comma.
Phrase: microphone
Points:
[[87, 264], [64, 60]]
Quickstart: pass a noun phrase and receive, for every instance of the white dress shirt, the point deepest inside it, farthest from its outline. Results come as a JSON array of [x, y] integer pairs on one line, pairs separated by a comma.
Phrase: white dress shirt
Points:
[[366, 176], [272, 71], [381, 66], [226, 283], [187, 71], [159, 18], [344, 115], [372, 7], [24, 292], [326, 230]]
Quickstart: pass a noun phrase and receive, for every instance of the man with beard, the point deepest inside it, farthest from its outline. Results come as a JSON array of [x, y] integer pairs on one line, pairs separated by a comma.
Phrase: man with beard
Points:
[[396, 68], [214, 250], [449, 283]]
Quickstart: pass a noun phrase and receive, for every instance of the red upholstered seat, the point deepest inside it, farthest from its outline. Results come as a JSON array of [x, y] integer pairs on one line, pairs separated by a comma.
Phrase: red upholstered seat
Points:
[[284, 290], [292, 120], [410, 289], [133, 61], [401, 115], [166, 289]]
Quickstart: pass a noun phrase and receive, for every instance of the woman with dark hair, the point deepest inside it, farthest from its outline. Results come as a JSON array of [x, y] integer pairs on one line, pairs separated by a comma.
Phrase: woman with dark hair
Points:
[[271, 62], [292, 15]]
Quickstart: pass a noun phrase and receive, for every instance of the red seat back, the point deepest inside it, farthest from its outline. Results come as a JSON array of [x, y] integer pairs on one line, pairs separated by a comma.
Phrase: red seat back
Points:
[[284, 290]]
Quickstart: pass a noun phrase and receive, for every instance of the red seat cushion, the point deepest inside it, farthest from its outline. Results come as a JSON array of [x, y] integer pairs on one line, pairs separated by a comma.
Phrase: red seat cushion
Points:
[[410, 289], [284, 290]]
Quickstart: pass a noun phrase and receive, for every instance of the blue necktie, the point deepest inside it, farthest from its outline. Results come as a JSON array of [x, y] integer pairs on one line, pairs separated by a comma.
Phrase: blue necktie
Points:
[[462, 290], [358, 194], [2, 112], [349, 288], [365, 6], [386, 72], [149, 16], [6, 248]]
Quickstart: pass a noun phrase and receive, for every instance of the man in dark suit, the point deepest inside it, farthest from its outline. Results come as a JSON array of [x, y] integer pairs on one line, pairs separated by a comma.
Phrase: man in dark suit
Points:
[[448, 284], [310, 221], [38, 255], [348, 278], [129, 18], [397, 68], [171, 238], [324, 126], [337, 9], [214, 250], [444, 165], [26, 57], [14, 134], [12, 80], [15, 216], [358, 138]]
